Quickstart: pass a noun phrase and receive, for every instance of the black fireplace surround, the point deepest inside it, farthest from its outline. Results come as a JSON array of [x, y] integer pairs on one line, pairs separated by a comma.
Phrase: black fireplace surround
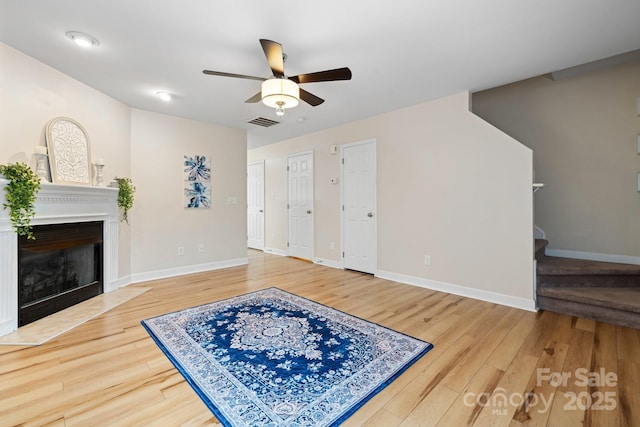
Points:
[[60, 268]]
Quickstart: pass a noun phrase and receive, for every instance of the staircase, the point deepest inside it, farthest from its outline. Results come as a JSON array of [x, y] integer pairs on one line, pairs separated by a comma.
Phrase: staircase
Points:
[[603, 291]]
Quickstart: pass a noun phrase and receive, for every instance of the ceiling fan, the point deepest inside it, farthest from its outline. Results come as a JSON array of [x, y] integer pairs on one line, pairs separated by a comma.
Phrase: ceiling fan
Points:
[[280, 91]]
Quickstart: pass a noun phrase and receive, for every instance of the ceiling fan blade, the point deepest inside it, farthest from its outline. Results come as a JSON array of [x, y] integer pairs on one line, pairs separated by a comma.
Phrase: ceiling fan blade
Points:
[[323, 76], [255, 98], [310, 98], [273, 52], [239, 76]]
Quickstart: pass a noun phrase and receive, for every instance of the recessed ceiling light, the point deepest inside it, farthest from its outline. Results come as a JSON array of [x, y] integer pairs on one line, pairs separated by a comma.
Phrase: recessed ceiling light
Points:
[[82, 39], [165, 96]]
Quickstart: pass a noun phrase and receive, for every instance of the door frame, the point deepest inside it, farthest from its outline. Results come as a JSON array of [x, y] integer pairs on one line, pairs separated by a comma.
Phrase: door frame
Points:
[[313, 198], [375, 201], [264, 202]]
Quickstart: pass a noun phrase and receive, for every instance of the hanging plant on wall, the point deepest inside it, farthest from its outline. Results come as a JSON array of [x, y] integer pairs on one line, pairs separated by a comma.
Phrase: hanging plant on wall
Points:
[[20, 197], [126, 190]]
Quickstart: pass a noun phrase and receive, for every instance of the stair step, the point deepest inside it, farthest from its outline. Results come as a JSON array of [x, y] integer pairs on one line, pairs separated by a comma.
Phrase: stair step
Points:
[[539, 247], [588, 280], [570, 266], [620, 298], [568, 272], [620, 306]]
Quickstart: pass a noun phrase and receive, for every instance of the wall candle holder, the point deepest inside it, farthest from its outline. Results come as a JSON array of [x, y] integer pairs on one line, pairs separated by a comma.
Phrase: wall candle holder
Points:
[[99, 164], [41, 171]]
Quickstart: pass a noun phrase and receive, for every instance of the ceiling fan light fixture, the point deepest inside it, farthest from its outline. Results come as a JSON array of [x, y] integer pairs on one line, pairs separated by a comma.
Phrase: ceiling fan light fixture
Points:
[[82, 39], [280, 94]]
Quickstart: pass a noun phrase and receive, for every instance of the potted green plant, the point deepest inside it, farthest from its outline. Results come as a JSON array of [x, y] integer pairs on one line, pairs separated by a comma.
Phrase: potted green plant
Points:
[[126, 190], [20, 197]]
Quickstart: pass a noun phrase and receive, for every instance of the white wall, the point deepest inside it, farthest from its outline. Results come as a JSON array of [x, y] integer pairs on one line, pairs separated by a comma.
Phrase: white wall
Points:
[[584, 133], [160, 223], [450, 185], [148, 148]]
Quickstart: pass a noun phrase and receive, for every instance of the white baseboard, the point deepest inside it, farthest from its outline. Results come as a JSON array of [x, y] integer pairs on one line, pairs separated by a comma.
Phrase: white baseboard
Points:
[[328, 263], [535, 283], [121, 282], [492, 297], [189, 269], [273, 251], [593, 256]]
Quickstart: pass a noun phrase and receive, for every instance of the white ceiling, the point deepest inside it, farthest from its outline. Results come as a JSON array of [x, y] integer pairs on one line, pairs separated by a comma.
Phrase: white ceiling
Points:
[[401, 53]]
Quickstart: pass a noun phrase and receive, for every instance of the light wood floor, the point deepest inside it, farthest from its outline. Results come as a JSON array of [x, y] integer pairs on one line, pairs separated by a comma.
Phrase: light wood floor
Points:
[[109, 372]]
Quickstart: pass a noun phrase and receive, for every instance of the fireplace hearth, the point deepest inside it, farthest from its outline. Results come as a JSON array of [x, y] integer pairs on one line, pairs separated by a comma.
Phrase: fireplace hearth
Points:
[[60, 268]]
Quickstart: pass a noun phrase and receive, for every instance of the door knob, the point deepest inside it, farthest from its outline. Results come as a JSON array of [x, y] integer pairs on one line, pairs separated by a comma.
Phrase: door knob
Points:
[[370, 214], [260, 211], [309, 211]]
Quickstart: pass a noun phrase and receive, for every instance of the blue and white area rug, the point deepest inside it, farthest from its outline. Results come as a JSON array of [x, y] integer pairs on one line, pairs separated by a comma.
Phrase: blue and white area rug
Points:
[[271, 358]]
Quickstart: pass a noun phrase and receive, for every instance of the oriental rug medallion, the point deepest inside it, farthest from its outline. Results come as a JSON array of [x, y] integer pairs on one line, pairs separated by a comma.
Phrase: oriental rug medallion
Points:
[[271, 358]]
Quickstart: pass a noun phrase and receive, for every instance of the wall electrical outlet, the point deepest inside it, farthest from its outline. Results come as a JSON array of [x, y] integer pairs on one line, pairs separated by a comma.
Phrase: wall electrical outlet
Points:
[[201, 247], [180, 250], [427, 260]]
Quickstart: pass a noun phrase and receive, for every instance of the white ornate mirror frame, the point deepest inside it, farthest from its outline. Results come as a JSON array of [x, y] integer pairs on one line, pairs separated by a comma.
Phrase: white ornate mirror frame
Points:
[[68, 146]]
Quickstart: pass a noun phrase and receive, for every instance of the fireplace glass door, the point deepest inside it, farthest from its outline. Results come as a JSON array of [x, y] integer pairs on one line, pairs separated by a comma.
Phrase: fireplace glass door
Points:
[[60, 268]]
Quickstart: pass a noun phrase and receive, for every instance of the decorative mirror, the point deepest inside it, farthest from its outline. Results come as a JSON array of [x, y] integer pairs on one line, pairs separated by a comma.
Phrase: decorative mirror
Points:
[[68, 146]]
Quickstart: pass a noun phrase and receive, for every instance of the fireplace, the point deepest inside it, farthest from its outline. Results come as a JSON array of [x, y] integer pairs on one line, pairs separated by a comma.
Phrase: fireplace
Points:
[[74, 207], [61, 267]]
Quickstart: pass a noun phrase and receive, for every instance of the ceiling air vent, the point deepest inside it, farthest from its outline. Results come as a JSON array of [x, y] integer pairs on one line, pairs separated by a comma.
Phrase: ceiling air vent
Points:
[[264, 122]]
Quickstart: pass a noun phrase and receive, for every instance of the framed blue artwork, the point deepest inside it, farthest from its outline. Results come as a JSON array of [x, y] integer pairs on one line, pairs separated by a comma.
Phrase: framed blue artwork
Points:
[[197, 181]]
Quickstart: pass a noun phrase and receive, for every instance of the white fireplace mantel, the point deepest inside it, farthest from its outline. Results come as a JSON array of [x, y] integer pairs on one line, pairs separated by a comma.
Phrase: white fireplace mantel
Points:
[[57, 204]]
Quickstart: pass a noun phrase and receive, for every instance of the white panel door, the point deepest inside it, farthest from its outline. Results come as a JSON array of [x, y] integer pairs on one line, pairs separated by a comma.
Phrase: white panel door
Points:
[[255, 205], [359, 219], [300, 177]]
